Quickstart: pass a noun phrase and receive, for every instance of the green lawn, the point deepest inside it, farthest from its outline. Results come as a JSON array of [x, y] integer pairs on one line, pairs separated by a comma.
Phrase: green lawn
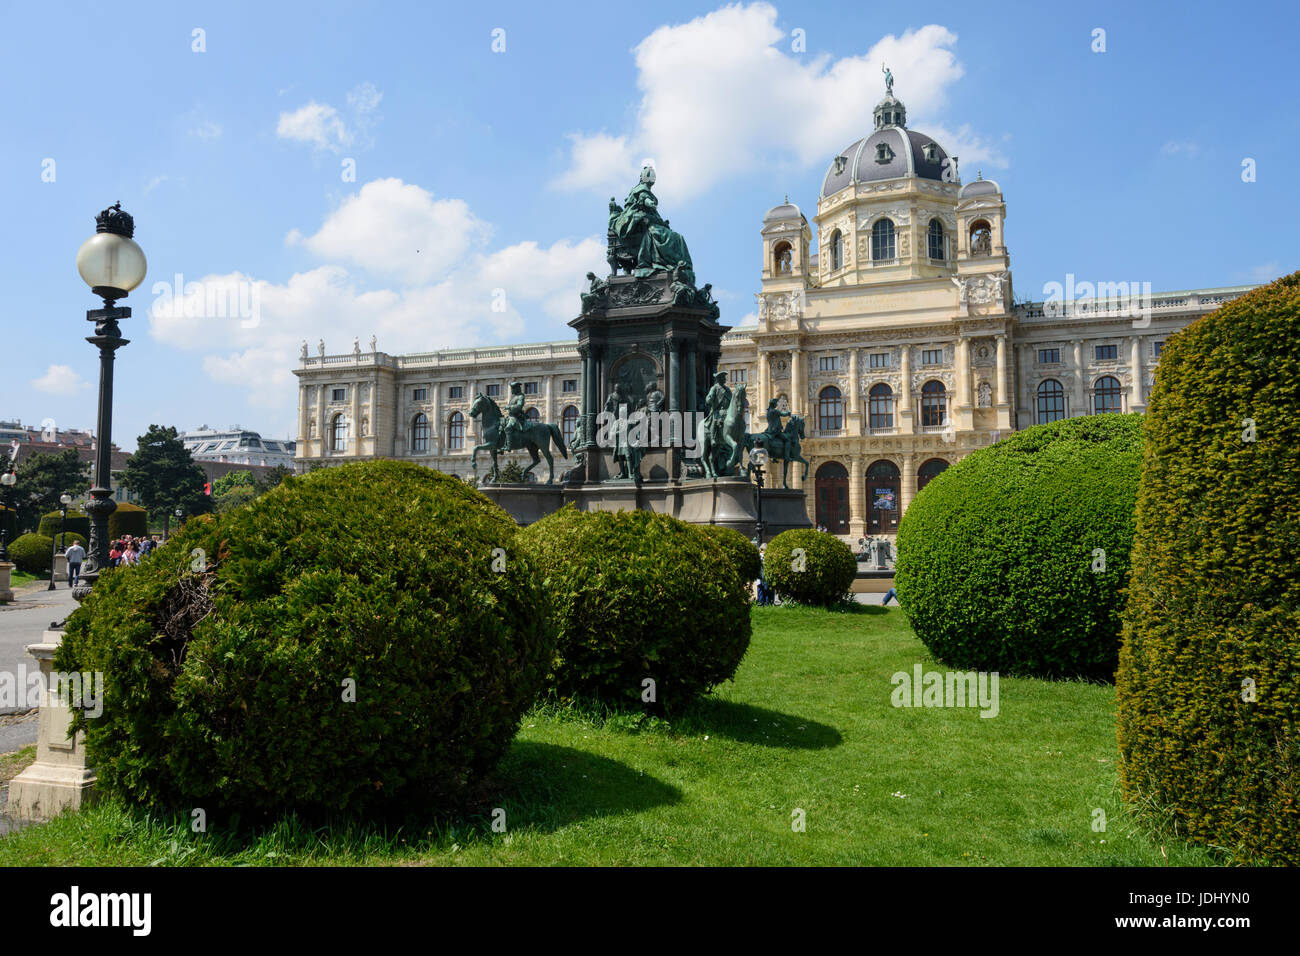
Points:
[[807, 724]]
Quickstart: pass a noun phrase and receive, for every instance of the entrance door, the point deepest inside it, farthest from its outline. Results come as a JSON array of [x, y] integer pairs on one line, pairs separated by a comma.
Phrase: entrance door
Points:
[[832, 484], [883, 498]]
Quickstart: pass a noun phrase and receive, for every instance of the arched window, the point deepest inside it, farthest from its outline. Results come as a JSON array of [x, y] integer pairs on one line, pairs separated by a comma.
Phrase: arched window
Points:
[[881, 403], [1107, 396], [1051, 401], [338, 433], [569, 423], [830, 409], [936, 239], [884, 497], [934, 403], [928, 471], [456, 432], [837, 250], [420, 434], [533, 415], [783, 258], [832, 497], [882, 240], [981, 238]]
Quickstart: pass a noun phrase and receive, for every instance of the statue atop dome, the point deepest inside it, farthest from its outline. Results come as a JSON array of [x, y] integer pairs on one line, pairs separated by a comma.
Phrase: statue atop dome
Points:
[[889, 80], [640, 240]]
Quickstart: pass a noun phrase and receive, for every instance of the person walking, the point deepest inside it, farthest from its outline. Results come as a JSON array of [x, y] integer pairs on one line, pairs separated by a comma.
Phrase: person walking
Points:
[[891, 593], [75, 555]]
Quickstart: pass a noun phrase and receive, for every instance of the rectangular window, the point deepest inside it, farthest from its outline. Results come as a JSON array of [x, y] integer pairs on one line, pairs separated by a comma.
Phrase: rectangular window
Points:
[[932, 356], [338, 394], [570, 385], [1104, 351], [494, 391], [830, 363], [456, 391], [420, 395], [1049, 356], [737, 375], [1158, 347], [530, 388], [879, 360]]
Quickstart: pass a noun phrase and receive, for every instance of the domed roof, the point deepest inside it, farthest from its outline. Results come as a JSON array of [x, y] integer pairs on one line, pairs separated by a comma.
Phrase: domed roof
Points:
[[787, 210], [906, 152], [981, 187]]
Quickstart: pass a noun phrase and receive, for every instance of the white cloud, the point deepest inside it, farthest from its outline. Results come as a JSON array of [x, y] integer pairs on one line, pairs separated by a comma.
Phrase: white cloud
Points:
[[59, 380], [205, 129], [475, 296], [315, 123], [722, 95], [1174, 147], [397, 230], [364, 98]]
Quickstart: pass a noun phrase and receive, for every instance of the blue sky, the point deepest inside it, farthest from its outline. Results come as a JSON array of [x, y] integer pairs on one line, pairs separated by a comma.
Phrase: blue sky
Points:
[[482, 176]]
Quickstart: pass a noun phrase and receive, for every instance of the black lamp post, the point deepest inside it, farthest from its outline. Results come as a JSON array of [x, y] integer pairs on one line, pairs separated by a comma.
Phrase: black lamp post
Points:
[[57, 545], [112, 265], [757, 459], [7, 481]]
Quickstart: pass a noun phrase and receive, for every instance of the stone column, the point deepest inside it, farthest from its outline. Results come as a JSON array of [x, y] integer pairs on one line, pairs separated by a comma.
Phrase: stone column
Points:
[[857, 498], [1002, 371], [963, 372], [855, 383], [907, 484], [691, 399], [1079, 405], [904, 409], [1136, 402], [674, 376], [354, 426], [764, 373], [322, 417], [304, 393], [798, 400]]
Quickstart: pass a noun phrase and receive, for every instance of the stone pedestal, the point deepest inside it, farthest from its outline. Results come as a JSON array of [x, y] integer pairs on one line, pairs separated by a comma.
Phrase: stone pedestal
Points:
[[6, 590], [59, 779], [60, 568]]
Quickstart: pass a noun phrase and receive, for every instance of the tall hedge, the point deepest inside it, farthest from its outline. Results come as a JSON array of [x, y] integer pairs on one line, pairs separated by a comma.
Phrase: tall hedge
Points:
[[638, 597], [52, 522], [1209, 682], [128, 519], [1015, 558], [810, 567], [290, 655]]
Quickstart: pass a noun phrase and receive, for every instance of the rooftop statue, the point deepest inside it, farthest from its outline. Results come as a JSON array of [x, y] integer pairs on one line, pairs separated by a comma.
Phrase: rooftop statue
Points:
[[640, 240]]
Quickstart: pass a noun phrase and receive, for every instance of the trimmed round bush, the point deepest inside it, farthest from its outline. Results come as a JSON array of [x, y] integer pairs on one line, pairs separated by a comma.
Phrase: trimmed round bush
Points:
[[52, 522], [128, 519], [1015, 558], [740, 550], [810, 567], [71, 536], [347, 646], [31, 553], [1208, 691], [636, 596]]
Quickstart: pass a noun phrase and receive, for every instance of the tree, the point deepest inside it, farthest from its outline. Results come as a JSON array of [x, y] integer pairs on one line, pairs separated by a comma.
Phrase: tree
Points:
[[232, 490], [272, 478], [164, 476], [42, 478]]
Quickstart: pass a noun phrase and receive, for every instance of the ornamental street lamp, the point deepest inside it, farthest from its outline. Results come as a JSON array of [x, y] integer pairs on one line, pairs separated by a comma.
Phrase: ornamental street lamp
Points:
[[7, 481], [112, 265], [757, 459], [59, 545]]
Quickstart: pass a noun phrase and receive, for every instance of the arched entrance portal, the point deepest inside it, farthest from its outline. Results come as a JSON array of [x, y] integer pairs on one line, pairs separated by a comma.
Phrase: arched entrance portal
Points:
[[883, 494], [833, 497]]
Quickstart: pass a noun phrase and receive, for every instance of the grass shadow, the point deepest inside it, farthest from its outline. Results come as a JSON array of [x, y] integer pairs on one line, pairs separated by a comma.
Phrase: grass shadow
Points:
[[748, 724], [554, 786]]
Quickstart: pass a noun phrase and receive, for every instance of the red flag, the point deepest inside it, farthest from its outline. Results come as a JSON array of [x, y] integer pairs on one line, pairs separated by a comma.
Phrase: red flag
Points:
[[207, 487]]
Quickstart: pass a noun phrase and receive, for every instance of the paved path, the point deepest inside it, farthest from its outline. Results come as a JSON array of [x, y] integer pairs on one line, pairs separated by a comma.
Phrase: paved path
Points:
[[22, 622]]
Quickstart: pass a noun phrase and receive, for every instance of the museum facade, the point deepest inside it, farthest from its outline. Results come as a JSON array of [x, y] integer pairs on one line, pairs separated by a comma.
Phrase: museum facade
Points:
[[889, 323]]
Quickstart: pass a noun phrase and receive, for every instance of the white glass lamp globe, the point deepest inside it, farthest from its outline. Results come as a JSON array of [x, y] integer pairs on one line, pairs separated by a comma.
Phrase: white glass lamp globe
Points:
[[8, 479], [759, 457], [65, 500], [109, 261]]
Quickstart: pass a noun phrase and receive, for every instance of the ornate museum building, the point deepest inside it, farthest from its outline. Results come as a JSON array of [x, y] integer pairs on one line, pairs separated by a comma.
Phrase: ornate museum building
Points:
[[889, 323]]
